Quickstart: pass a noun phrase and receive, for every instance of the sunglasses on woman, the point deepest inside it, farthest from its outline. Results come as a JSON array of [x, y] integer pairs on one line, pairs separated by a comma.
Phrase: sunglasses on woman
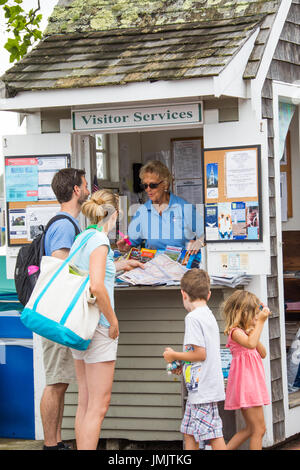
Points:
[[150, 185]]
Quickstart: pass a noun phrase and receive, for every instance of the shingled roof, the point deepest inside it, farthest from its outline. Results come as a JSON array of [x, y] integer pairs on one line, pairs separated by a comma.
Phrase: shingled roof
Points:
[[101, 42]]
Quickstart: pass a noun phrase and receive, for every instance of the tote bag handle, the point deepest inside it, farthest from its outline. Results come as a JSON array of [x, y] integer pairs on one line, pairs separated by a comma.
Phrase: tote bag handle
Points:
[[84, 241]]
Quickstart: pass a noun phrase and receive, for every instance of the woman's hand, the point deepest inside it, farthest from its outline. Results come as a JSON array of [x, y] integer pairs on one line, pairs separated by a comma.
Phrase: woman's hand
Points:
[[114, 330], [195, 245], [128, 264], [122, 245]]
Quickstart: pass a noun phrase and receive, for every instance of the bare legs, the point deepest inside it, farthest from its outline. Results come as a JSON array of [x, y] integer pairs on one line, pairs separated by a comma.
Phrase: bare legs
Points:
[[254, 430], [94, 393], [192, 444], [52, 408]]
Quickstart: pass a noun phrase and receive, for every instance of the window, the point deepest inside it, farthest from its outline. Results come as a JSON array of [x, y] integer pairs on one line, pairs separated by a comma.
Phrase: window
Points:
[[101, 157]]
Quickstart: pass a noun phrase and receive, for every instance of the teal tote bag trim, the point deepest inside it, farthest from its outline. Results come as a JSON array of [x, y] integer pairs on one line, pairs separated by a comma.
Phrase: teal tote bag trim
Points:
[[73, 302], [84, 241], [52, 330]]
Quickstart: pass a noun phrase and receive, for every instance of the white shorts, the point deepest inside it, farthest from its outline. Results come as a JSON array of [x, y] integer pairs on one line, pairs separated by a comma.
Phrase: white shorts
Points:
[[102, 348]]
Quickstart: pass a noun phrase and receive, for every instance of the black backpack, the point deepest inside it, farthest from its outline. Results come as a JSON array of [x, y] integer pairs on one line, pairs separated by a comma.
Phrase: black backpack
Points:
[[31, 254]]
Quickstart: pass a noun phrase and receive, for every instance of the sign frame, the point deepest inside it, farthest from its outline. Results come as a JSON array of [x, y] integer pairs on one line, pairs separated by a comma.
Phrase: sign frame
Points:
[[139, 117], [217, 156]]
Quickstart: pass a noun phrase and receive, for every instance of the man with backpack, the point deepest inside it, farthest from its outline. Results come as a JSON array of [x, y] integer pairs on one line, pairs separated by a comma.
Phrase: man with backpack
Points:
[[70, 188]]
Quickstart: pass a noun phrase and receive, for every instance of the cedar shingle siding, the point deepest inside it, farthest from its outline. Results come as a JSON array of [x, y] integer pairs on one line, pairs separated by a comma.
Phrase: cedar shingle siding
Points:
[[285, 67]]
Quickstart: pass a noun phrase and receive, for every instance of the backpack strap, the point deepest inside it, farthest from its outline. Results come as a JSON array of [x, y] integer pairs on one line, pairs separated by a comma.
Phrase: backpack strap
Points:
[[62, 216]]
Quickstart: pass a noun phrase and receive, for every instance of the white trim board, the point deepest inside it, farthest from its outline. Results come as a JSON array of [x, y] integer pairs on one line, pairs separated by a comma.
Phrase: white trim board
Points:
[[289, 92]]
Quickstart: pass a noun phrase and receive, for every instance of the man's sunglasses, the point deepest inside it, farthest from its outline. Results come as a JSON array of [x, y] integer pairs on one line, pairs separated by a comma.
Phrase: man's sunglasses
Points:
[[151, 185]]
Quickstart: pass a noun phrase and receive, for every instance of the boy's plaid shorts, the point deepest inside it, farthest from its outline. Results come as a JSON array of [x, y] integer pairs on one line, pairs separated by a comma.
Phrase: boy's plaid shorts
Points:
[[202, 421]]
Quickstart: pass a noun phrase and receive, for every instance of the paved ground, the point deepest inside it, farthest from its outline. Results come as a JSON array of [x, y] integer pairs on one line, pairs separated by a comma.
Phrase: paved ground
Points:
[[21, 444]]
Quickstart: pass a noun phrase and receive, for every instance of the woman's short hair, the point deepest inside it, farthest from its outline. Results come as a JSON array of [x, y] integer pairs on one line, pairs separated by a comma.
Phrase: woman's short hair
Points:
[[157, 167], [102, 204]]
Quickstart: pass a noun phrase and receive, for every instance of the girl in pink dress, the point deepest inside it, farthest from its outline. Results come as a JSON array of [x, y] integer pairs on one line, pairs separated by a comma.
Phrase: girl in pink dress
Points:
[[246, 387]]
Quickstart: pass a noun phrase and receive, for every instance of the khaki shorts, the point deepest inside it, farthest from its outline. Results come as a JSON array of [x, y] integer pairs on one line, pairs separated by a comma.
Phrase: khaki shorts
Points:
[[58, 363], [102, 348]]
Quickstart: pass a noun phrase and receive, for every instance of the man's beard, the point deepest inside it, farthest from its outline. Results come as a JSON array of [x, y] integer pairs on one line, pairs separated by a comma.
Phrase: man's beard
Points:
[[82, 199]]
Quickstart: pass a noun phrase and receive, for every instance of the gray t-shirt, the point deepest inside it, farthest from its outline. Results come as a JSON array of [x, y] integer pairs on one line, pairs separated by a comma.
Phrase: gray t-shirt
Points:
[[204, 380]]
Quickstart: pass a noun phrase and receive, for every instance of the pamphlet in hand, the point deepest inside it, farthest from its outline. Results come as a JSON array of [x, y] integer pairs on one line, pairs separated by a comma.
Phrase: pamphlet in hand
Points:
[[158, 271]]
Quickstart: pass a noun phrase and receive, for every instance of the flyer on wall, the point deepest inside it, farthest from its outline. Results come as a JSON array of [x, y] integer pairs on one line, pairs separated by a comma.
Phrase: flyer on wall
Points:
[[17, 224], [21, 179], [39, 215], [241, 174], [47, 167]]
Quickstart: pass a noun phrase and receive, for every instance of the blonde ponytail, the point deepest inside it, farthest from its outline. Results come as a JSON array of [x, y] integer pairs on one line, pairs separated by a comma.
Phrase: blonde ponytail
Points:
[[101, 204]]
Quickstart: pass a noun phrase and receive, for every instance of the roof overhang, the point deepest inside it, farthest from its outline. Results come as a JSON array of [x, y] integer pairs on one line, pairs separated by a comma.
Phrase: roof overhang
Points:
[[229, 82]]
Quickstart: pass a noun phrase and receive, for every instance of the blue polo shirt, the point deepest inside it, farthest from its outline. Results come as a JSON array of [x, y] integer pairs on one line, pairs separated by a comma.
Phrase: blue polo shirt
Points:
[[176, 226], [60, 235]]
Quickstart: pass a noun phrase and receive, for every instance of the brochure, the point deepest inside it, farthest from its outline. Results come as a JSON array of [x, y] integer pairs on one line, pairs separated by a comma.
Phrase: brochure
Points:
[[142, 255], [160, 270], [188, 260]]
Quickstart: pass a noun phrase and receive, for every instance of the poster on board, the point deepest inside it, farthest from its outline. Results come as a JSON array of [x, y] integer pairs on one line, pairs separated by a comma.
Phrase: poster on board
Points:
[[232, 194], [30, 201]]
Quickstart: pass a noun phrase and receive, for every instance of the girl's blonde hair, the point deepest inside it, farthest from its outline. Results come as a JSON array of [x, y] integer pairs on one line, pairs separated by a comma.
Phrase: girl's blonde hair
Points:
[[102, 204], [157, 167], [239, 310]]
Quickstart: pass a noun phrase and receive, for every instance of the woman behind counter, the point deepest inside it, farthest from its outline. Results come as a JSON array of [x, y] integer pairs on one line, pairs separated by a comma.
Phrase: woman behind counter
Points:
[[165, 219]]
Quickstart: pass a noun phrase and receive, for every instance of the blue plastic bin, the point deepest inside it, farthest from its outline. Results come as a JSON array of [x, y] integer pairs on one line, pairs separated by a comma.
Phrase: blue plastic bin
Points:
[[16, 388], [16, 365]]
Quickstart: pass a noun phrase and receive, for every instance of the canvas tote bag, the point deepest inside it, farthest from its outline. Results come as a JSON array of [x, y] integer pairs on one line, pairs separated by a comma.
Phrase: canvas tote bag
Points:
[[61, 307]]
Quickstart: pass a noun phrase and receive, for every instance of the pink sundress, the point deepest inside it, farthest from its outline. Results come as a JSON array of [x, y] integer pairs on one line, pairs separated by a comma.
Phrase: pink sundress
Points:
[[246, 386]]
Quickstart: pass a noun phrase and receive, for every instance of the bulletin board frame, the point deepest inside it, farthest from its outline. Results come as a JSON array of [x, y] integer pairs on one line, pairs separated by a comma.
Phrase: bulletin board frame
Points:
[[232, 194], [19, 207]]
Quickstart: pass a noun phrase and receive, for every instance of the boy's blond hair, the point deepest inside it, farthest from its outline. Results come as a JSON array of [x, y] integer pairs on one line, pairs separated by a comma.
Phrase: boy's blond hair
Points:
[[196, 283]]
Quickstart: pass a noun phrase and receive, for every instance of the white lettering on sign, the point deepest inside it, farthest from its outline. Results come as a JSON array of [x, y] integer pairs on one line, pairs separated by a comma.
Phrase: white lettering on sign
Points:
[[137, 117]]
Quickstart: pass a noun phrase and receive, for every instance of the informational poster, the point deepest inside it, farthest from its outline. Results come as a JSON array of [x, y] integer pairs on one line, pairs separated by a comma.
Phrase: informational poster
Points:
[[211, 221], [187, 159], [17, 224], [187, 170], [226, 359], [232, 194], [238, 213], [234, 262], [190, 190], [47, 167], [37, 216], [225, 221], [212, 181], [241, 174], [21, 179]]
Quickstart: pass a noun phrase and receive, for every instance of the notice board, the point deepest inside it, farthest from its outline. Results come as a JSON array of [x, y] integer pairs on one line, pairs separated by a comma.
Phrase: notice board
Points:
[[30, 200], [232, 194]]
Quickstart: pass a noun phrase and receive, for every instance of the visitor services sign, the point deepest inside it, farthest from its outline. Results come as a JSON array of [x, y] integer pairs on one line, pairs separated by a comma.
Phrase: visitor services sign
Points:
[[152, 116]]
